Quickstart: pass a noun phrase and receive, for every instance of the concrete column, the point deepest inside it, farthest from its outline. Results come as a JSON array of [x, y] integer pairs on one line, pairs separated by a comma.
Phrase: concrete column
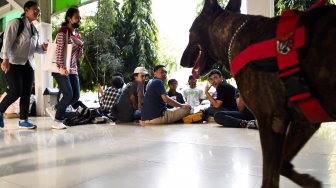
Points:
[[45, 11], [43, 79], [258, 7]]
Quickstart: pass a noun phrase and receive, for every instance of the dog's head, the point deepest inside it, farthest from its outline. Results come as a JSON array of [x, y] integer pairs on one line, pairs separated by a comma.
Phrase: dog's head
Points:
[[201, 53]]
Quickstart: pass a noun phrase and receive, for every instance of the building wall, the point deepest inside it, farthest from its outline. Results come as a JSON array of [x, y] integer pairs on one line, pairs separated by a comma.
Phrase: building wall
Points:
[[260, 7], [12, 15]]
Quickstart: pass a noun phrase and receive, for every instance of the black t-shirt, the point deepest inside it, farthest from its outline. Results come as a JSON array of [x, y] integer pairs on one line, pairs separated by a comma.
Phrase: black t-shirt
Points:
[[176, 96], [227, 93]]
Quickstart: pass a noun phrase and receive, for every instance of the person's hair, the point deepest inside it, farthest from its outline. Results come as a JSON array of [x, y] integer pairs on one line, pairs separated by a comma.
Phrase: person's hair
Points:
[[190, 77], [214, 71], [27, 5], [172, 81], [134, 75], [118, 82], [118, 74], [69, 13], [157, 67]]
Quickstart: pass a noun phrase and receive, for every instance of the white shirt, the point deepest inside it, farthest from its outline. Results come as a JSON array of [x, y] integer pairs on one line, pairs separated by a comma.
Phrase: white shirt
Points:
[[193, 96], [20, 49]]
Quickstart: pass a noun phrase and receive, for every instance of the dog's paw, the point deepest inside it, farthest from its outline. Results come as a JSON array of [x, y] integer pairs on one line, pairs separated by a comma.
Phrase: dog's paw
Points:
[[304, 180]]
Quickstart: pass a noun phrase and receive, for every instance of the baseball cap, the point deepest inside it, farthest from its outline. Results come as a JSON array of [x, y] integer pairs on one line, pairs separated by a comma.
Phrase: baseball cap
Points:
[[140, 70]]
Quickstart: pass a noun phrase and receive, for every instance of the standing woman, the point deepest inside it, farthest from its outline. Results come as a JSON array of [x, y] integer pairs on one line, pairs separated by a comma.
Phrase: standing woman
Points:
[[68, 81], [18, 61]]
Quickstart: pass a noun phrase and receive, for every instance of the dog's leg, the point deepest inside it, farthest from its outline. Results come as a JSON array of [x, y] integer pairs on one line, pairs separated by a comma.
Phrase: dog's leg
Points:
[[297, 137], [272, 144]]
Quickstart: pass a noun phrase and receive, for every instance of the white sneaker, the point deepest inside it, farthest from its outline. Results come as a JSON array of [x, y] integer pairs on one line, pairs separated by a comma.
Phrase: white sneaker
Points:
[[58, 125], [51, 111]]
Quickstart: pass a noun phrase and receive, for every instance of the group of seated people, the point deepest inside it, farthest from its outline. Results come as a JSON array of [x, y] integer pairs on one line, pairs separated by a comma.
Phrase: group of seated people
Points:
[[148, 102]]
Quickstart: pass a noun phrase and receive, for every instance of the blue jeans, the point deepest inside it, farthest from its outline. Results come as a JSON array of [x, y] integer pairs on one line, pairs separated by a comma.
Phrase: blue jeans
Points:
[[69, 87], [212, 110]]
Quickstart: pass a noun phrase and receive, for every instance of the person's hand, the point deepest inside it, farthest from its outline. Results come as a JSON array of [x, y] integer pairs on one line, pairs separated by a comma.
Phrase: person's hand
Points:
[[186, 106], [77, 41], [63, 71], [5, 65], [207, 88], [100, 90], [45, 46]]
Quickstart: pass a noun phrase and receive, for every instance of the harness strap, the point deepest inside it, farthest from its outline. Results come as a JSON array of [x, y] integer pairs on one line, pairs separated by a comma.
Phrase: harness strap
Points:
[[285, 47], [263, 50], [288, 64]]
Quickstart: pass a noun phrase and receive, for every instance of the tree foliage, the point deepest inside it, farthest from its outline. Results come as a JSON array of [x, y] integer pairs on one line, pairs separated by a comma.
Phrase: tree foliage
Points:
[[200, 4], [281, 5], [102, 52], [137, 36], [117, 40]]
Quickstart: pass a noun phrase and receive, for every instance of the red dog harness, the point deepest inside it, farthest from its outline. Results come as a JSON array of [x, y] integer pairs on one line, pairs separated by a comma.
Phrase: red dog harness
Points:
[[285, 48]]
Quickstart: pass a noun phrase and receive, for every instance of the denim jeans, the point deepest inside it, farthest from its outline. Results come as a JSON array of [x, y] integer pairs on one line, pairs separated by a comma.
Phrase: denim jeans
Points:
[[69, 87]]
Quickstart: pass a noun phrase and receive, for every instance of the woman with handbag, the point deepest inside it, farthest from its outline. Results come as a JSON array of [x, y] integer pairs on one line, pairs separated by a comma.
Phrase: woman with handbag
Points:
[[67, 79], [21, 41]]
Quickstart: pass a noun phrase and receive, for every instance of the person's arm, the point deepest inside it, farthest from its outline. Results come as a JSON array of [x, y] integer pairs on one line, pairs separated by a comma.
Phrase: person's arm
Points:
[[240, 104], [181, 98], [200, 96], [40, 48], [80, 43], [141, 95], [215, 103], [100, 90], [133, 101], [60, 41], [9, 38], [174, 103]]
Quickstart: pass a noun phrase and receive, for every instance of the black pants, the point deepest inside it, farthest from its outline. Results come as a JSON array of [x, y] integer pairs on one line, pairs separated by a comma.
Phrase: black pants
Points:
[[232, 118], [20, 80]]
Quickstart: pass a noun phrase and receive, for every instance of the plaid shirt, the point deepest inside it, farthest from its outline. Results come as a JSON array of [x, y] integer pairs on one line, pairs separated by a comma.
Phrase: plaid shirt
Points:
[[110, 98]]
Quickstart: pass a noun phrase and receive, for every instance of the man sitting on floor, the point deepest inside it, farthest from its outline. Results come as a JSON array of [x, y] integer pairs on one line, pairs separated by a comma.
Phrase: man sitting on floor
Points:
[[154, 110], [225, 100]]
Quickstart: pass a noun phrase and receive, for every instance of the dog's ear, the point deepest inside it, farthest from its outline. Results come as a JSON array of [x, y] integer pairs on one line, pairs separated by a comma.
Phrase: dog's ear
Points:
[[233, 5], [209, 3]]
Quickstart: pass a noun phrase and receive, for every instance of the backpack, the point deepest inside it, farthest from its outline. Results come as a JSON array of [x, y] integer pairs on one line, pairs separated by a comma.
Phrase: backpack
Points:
[[20, 29], [86, 116]]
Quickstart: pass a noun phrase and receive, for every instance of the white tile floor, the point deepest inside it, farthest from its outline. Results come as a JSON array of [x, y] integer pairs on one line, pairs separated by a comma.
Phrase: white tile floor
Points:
[[127, 156]]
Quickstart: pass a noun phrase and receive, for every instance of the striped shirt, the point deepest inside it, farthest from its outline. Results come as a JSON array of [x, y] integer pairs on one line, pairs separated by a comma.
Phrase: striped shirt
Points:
[[76, 53]]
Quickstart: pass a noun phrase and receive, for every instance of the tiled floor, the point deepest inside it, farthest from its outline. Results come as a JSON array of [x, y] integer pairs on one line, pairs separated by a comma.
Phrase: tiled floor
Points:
[[127, 156]]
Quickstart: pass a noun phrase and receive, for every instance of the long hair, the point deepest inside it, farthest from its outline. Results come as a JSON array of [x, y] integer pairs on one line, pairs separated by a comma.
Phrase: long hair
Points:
[[69, 13], [27, 5]]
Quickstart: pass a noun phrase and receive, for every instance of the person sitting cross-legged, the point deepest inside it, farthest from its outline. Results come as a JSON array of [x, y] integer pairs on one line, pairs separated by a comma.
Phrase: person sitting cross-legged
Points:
[[110, 96], [128, 107], [225, 99], [193, 95], [242, 118], [154, 109], [172, 93]]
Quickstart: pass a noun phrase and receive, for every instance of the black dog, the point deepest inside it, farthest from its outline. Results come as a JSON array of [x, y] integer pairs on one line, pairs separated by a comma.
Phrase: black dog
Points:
[[219, 35]]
